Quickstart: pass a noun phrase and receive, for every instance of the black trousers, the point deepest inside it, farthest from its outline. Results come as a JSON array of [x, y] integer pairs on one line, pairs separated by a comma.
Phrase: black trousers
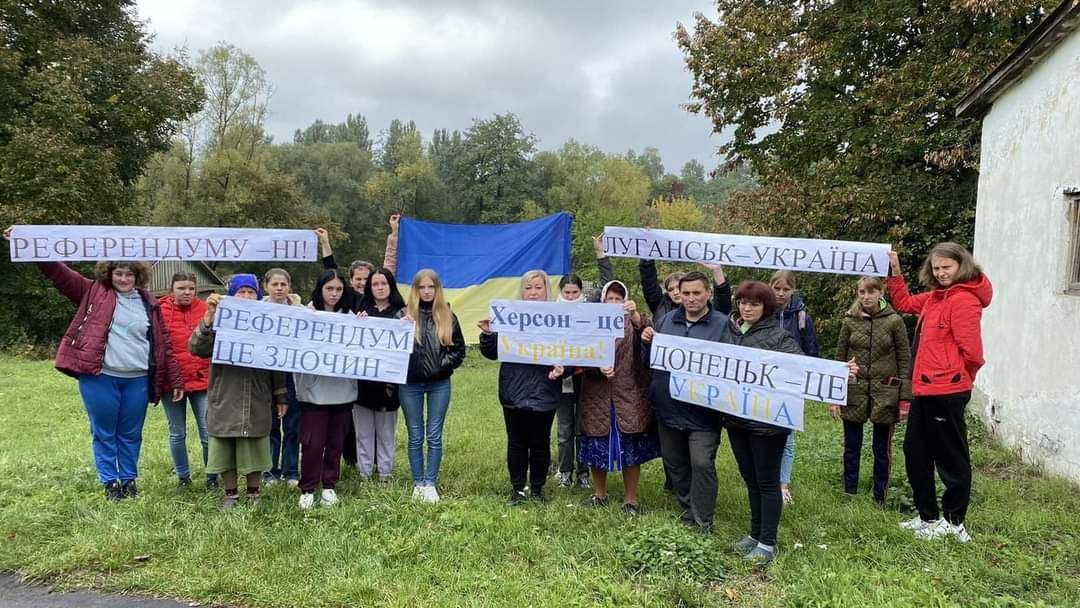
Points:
[[690, 462], [528, 446], [758, 457], [937, 438], [882, 449], [568, 414]]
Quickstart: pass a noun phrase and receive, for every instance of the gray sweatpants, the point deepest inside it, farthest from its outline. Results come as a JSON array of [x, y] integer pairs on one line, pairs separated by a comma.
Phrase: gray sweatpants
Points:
[[375, 442]]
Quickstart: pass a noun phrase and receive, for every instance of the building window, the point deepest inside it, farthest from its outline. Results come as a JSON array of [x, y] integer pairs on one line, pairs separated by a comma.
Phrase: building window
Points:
[[1072, 200]]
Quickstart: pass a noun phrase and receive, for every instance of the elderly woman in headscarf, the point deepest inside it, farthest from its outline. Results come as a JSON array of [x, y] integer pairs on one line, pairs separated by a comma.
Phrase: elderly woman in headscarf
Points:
[[616, 415]]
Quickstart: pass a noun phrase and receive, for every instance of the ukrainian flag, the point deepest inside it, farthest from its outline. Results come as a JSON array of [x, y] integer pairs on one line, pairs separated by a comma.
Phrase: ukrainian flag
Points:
[[478, 263]]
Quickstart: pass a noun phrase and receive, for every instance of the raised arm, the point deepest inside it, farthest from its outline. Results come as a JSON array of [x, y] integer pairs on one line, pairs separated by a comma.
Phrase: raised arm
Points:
[[899, 296], [652, 291], [390, 255], [721, 289], [67, 281], [328, 260], [201, 343], [489, 341], [603, 265]]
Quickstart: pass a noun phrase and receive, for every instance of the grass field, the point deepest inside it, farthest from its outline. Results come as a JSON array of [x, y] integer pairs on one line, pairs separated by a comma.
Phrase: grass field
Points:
[[377, 548]]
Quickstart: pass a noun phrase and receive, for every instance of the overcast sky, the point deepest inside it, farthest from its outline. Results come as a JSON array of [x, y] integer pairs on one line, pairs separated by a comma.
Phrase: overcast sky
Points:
[[606, 73]]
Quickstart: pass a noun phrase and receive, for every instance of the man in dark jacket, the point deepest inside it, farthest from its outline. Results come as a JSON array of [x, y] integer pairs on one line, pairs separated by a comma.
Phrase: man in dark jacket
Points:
[[689, 434], [663, 301]]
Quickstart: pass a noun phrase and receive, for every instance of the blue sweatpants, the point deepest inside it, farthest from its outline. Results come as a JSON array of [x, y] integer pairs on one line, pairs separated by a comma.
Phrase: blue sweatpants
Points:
[[117, 409]]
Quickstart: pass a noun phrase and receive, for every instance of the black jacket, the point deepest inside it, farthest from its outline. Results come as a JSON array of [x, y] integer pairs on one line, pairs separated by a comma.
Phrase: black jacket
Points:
[[672, 412], [523, 386], [766, 334], [379, 396], [430, 360], [659, 302]]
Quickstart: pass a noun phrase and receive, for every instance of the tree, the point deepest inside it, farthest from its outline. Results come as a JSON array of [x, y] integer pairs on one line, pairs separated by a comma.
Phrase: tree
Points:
[[868, 145], [407, 182], [237, 94], [859, 100], [84, 104], [224, 170], [649, 160], [693, 172], [495, 171], [401, 144], [354, 130], [332, 176]]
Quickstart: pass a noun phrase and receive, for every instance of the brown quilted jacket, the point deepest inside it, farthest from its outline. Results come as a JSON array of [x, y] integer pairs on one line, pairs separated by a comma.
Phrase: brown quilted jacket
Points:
[[628, 390]]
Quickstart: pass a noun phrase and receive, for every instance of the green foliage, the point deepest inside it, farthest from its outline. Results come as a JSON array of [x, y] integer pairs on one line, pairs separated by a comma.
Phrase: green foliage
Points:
[[846, 111], [672, 551], [493, 171], [84, 104], [332, 176], [353, 131]]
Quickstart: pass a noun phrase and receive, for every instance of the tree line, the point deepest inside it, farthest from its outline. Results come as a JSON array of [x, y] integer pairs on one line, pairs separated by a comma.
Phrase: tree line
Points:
[[840, 117]]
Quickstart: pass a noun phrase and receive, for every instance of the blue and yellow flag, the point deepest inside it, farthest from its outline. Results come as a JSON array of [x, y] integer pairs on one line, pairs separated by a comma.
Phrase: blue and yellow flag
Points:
[[478, 263]]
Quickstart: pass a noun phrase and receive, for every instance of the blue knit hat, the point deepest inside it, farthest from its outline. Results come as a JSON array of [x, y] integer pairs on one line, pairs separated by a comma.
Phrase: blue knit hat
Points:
[[238, 281]]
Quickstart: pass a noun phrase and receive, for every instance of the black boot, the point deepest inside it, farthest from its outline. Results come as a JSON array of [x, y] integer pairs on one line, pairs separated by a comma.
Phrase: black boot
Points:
[[113, 492], [129, 489]]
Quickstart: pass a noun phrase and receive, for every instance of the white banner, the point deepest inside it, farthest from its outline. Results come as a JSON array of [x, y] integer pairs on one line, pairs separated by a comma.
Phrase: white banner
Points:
[[779, 409], [295, 339], [553, 333], [803, 255], [586, 319], [148, 243], [761, 385]]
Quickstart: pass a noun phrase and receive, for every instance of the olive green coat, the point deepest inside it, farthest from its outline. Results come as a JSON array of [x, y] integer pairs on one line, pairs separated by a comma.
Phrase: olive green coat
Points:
[[879, 344], [241, 400]]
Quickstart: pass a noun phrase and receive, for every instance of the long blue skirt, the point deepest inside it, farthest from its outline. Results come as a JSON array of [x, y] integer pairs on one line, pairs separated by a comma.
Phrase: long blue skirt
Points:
[[618, 450]]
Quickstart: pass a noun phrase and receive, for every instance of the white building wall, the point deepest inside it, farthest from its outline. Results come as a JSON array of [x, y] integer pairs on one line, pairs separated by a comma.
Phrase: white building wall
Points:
[[1029, 390]]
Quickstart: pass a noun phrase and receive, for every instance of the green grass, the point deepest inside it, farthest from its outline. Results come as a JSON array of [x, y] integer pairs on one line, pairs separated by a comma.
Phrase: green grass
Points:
[[377, 548]]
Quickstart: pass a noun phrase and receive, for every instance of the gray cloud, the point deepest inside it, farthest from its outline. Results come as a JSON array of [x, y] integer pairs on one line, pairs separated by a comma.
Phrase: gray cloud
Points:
[[605, 73]]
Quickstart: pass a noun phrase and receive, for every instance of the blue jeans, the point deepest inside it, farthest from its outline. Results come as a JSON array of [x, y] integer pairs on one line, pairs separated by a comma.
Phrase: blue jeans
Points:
[[117, 410], [412, 403], [285, 443], [176, 415], [788, 460]]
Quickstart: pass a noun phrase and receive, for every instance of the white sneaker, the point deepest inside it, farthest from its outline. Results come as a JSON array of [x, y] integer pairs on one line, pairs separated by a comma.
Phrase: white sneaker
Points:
[[942, 528], [307, 501], [431, 494], [329, 498], [935, 529], [915, 523], [294, 483], [418, 492], [960, 533]]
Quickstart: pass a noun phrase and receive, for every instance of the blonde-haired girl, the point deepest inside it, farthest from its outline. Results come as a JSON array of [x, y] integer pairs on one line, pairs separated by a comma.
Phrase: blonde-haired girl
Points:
[[530, 396], [875, 336], [439, 350]]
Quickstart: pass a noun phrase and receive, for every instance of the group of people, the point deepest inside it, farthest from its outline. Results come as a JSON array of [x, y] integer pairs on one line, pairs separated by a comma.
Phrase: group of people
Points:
[[128, 349]]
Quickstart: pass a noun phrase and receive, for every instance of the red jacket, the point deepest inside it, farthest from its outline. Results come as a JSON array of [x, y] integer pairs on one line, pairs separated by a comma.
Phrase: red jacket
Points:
[[181, 322], [82, 350], [949, 348]]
